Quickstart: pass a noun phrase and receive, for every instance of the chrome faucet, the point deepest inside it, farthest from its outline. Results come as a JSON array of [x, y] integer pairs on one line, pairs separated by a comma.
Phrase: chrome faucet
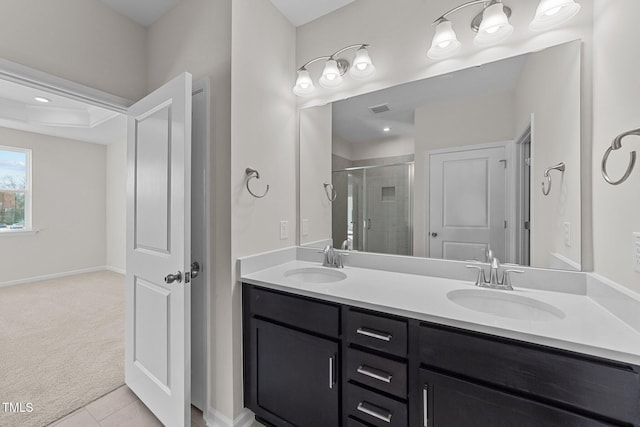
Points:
[[332, 258], [497, 279]]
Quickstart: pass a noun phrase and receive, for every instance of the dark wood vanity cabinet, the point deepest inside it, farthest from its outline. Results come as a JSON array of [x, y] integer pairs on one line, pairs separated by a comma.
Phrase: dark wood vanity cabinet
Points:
[[520, 374], [291, 359], [454, 402], [376, 366], [312, 363], [505, 382]]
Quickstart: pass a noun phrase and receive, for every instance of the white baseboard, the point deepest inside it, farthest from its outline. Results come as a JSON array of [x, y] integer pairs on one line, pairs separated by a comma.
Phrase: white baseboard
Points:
[[61, 274], [214, 418], [115, 269], [52, 276]]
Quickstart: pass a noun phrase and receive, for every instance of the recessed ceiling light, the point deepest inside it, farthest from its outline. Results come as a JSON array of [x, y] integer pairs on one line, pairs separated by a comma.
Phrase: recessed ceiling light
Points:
[[387, 129], [42, 99]]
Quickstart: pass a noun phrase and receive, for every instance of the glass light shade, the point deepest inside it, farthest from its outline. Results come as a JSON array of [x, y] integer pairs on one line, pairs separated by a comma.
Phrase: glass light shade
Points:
[[445, 42], [551, 13], [494, 27], [331, 76], [304, 84], [362, 67]]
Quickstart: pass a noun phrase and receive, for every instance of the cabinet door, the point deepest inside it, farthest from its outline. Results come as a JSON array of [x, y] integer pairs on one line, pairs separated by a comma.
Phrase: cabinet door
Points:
[[447, 401], [296, 375]]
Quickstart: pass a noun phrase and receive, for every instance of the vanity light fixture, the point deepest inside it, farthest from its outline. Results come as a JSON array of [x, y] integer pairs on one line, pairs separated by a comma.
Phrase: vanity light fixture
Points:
[[492, 24], [551, 13], [42, 99], [335, 68]]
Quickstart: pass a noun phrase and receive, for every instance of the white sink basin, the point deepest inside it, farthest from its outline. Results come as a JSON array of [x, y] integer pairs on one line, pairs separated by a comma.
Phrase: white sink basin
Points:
[[505, 304], [315, 275]]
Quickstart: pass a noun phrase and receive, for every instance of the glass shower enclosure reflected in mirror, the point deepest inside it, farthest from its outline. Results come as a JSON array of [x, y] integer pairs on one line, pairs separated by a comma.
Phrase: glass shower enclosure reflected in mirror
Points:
[[373, 209]]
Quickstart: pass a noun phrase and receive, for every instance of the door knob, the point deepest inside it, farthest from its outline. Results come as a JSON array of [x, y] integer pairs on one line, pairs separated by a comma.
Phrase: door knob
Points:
[[173, 278], [195, 269], [434, 234]]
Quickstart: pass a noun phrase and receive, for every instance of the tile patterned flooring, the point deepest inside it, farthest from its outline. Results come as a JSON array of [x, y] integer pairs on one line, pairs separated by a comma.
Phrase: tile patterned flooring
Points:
[[120, 408]]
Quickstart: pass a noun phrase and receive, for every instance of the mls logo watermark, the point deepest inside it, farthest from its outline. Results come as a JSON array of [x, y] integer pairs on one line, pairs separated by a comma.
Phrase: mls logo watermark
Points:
[[17, 407]]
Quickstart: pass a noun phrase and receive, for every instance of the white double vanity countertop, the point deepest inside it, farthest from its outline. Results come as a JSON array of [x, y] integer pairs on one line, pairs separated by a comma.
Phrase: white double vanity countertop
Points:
[[570, 320]]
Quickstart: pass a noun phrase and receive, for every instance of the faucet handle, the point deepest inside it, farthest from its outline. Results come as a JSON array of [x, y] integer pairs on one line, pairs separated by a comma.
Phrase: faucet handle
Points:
[[325, 250], [506, 278], [480, 280], [338, 260]]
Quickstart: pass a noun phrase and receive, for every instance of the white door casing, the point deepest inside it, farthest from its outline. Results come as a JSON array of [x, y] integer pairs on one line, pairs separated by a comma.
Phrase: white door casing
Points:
[[467, 203], [157, 314]]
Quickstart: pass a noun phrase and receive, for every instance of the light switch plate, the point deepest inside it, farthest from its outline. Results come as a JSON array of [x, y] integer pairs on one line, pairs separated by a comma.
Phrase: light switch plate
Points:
[[636, 250], [284, 230], [305, 227]]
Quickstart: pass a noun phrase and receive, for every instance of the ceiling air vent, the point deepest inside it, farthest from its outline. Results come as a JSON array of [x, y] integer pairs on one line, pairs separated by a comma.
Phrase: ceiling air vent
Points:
[[377, 109]]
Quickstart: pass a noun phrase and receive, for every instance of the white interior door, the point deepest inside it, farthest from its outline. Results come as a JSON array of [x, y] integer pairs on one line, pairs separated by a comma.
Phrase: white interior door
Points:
[[157, 292], [467, 204]]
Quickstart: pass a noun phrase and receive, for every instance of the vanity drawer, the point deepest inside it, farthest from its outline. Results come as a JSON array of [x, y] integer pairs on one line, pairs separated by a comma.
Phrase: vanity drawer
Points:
[[377, 372], [352, 422], [601, 387], [377, 332], [303, 313], [374, 409]]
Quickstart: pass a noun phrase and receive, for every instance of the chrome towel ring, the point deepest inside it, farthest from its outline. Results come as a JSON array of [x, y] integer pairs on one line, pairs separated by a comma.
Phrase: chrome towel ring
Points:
[[330, 191], [616, 145], [252, 173], [559, 167]]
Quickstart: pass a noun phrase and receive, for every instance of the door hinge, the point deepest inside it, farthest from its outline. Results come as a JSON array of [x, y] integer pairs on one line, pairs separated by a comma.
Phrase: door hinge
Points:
[[504, 161], [527, 161], [526, 225], [505, 224]]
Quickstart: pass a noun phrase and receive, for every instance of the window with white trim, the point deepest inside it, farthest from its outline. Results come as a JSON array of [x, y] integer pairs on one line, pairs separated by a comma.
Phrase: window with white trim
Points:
[[15, 189]]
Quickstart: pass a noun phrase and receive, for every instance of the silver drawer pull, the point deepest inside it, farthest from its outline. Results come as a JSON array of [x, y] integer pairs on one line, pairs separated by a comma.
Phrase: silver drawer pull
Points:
[[372, 410], [384, 336], [331, 380], [425, 405], [375, 373]]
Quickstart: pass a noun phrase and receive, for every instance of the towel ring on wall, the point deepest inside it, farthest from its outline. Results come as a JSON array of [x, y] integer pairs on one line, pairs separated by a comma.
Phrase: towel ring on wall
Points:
[[616, 145], [252, 173], [559, 167], [330, 195]]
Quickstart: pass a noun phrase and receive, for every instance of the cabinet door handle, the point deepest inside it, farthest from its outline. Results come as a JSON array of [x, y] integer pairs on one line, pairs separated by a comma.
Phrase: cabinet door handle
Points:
[[425, 405], [375, 373], [374, 411], [383, 336], [331, 369]]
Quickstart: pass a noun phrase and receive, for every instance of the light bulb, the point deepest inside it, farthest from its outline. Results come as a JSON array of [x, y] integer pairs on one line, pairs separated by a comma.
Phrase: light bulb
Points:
[[331, 76], [304, 84], [494, 27], [445, 42], [362, 67], [551, 13]]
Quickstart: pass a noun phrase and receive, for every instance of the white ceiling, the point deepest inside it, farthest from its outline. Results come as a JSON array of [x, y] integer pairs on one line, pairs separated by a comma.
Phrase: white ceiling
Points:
[[61, 117], [298, 12], [354, 122], [144, 12]]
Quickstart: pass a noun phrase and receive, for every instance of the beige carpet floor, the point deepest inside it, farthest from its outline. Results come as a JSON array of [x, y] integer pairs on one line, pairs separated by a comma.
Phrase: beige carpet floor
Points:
[[61, 345]]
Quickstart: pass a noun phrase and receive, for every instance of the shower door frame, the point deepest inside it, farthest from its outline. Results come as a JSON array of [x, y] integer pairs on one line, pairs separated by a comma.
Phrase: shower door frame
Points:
[[363, 222]]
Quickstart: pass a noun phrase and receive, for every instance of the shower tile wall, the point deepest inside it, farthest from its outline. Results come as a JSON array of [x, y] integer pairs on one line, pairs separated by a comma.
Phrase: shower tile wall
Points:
[[388, 210], [380, 190]]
